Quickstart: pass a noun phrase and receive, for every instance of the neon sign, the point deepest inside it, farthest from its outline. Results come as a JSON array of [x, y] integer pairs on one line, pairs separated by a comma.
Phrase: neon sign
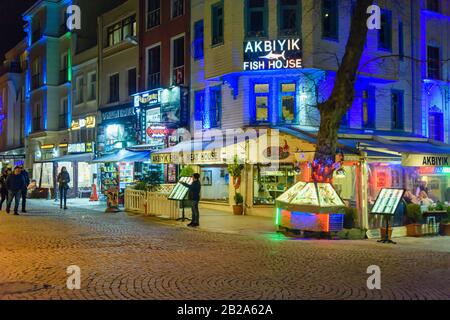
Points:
[[273, 54]]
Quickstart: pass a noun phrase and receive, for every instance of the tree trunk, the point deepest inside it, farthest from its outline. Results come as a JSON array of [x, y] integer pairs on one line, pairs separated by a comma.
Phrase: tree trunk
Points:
[[333, 110]]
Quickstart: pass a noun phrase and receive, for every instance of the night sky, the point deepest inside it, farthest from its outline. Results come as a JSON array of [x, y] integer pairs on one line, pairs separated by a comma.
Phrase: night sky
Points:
[[11, 23]]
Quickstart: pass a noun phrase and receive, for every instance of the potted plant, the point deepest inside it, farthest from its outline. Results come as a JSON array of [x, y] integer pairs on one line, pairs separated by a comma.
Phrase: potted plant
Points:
[[235, 170], [414, 217], [445, 224], [238, 208]]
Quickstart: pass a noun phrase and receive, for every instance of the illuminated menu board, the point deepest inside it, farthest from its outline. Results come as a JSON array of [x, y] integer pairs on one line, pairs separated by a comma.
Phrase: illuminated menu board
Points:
[[388, 201], [180, 191]]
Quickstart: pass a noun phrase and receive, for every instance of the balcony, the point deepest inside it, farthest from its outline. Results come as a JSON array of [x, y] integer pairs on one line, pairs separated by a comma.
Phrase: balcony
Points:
[[178, 76], [63, 76], [36, 81], [154, 81]]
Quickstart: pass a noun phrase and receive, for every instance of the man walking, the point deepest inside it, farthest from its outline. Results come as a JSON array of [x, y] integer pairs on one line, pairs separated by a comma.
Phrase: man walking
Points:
[[15, 184], [3, 188], [26, 177], [194, 196]]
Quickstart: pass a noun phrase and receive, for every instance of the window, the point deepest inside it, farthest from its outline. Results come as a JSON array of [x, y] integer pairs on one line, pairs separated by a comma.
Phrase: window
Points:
[[261, 103], [63, 113], [401, 41], [368, 108], [153, 13], [178, 61], [36, 74], [436, 126], [177, 8], [92, 86], [154, 67], [129, 27], [330, 17], [198, 40], [385, 33], [217, 16], [288, 110], [37, 117], [289, 17], [63, 72], [114, 88], [256, 18], [397, 110], [215, 110], [79, 90], [121, 31], [199, 109], [132, 83], [434, 63], [114, 34], [433, 5]]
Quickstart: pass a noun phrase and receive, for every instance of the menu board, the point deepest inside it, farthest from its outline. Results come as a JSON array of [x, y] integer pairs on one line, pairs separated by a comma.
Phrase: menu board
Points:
[[180, 191], [388, 201]]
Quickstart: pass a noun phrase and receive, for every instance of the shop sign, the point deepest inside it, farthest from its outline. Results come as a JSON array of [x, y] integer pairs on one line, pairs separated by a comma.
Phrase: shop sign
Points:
[[81, 147], [421, 160], [47, 146], [272, 54], [88, 122], [191, 157], [117, 114], [148, 99], [162, 158], [157, 132]]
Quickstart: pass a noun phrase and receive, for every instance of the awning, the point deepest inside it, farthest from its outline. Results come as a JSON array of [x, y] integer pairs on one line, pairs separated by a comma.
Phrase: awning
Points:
[[125, 156], [81, 157]]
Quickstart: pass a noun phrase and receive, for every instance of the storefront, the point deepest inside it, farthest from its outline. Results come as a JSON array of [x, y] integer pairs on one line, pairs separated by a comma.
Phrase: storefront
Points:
[[162, 114], [12, 158]]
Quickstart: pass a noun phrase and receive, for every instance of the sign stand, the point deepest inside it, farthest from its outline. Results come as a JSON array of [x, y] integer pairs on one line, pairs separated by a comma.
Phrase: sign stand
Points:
[[183, 216], [386, 236], [386, 205]]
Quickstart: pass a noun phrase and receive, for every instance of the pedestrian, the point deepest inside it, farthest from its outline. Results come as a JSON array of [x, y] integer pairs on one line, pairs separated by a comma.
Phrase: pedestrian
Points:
[[3, 188], [63, 184], [15, 184], [26, 177], [194, 196]]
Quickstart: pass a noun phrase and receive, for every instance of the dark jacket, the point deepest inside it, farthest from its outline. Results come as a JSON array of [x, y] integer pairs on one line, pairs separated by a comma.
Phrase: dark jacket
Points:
[[26, 177], [194, 191], [63, 180], [3, 187], [15, 183]]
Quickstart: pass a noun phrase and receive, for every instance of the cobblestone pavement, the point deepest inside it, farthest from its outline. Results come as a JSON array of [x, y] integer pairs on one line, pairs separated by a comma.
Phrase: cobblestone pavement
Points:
[[132, 257]]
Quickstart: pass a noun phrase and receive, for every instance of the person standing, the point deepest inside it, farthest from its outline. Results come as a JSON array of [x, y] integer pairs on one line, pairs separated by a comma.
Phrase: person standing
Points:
[[15, 184], [194, 195], [3, 188], [63, 184], [26, 177]]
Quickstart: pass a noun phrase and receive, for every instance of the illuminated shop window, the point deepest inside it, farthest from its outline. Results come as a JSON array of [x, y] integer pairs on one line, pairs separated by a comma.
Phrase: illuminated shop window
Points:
[[289, 17], [261, 103], [256, 18], [288, 103]]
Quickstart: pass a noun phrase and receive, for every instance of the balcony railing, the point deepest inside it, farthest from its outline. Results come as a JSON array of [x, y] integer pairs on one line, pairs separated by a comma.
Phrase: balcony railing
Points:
[[153, 18], [154, 80], [63, 76], [178, 76], [36, 81]]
